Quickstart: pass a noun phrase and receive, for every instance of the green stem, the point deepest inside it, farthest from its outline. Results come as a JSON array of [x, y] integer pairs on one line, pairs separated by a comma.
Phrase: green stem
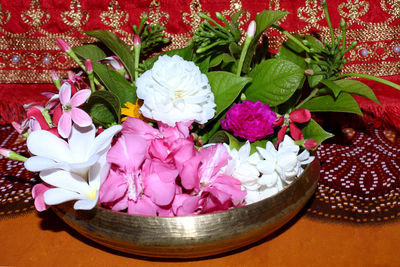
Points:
[[246, 44], [291, 37], [137, 55], [370, 77], [213, 130], [328, 20], [311, 95], [91, 80], [18, 157]]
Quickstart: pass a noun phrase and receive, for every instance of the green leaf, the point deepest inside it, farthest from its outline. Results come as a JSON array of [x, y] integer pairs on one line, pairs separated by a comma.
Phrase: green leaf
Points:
[[215, 61], [327, 103], [357, 88], [115, 83], [263, 20], [226, 87], [203, 64], [104, 107], [274, 81], [315, 43], [313, 130], [92, 52], [185, 53], [335, 88], [293, 45], [118, 47], [225, 137], [314, 80], [288, 54], [254, 145]]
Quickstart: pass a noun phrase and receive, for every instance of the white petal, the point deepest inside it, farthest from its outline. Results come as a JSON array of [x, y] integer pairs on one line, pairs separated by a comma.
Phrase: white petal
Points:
[[46, 144], [244, 151], [103, 140], [80, 140], [86, 204], [66, 180], [99, 171], [56, 196], [37, 163]]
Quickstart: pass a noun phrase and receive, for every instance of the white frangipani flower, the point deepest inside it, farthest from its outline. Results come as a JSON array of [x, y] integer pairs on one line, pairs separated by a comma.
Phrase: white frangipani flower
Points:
[[76, 169], [175, 90]]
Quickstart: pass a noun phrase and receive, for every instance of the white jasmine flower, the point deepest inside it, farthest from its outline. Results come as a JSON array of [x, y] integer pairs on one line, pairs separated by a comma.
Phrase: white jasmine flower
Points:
[[267, 171], [175, 90], [285, 161], [76, 169]]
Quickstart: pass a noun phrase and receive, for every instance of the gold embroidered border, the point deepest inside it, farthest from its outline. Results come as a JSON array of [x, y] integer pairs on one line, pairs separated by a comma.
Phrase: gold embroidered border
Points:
[[31, 76]]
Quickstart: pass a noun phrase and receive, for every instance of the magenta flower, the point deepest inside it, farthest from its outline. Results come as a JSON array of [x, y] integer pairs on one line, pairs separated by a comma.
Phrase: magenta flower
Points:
[[70, 109], [249, 120]]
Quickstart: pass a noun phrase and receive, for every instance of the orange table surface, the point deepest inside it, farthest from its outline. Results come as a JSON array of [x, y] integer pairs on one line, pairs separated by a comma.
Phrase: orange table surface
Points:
[[44, 240]]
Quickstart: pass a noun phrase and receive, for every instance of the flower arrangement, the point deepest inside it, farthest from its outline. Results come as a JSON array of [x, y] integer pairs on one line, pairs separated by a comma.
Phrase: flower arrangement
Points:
[[216, 125]]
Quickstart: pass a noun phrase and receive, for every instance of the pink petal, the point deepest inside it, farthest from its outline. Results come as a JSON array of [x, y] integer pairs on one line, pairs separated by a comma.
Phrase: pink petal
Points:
[[295, 132], [300, 115], [57, 113], [310, 144], [80, 97], [64, 125], [183, 150], [128, 152], [278, 121], [185, 204], [139, 127], [213, 159], [189, 174], [231, 186], [143, 206], [114, 188], [37, 114], [281, 135], [166, 172], [37, 193], [161, 193], [158, 149], [80, 117], [65, 93]]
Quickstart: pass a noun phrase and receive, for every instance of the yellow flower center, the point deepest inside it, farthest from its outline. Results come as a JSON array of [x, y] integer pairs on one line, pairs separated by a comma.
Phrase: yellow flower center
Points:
[[92, 193]]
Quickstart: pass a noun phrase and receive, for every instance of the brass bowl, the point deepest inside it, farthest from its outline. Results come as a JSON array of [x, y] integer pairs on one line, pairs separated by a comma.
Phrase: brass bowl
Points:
[[193, 236]]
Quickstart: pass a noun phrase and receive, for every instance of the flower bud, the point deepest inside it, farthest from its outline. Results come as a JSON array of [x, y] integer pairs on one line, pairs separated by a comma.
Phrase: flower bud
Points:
[[136, 40], [11, 154], [309, 72], [251, 30], [88, 66], [310, 144], [63, 45]]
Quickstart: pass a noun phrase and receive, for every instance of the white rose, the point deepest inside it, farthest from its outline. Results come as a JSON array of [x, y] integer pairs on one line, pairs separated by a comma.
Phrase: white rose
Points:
[[175, 90]]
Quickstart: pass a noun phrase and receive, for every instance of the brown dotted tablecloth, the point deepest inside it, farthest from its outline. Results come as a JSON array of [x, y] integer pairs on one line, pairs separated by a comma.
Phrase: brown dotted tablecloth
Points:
[[360, 177]]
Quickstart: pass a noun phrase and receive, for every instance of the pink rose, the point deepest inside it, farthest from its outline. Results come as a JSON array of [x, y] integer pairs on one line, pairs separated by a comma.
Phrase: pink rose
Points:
[[249, 120]]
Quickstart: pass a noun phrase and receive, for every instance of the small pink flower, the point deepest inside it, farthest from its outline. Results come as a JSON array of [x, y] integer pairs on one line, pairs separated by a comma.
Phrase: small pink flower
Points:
[[37, 193], [249, 120], [288, 120], [70, 111]]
